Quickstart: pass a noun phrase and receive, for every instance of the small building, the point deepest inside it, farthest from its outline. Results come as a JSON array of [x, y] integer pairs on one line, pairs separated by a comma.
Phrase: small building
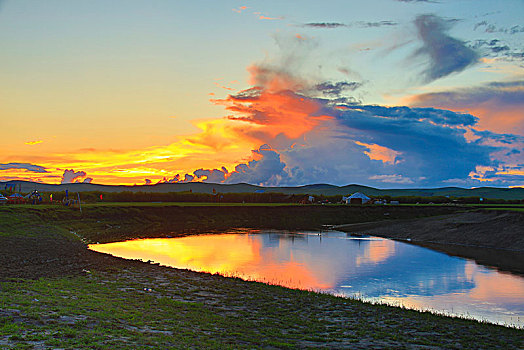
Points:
[[357, 198]]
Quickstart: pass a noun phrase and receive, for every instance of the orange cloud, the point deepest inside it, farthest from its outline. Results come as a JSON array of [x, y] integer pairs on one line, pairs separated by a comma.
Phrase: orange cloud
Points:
[[33, 142], [377, 152], [272, 107], [260, 16], [240, 9], [499, 106]]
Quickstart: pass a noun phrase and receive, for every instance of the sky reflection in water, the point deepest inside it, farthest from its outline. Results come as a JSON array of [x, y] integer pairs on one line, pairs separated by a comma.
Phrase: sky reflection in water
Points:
[[370, 268]]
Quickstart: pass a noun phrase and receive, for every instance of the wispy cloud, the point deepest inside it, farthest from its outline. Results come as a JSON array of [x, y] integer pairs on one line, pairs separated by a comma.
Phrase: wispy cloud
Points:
[[446, 54], [324, 25], [336, 89], [240, 9], [491, 28], [32, 142], [24, 166], [260, 15], [496, 48], [361, 24]]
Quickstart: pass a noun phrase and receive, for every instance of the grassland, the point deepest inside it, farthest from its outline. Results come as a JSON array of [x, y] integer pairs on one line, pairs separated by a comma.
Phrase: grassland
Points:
[[54, 293]]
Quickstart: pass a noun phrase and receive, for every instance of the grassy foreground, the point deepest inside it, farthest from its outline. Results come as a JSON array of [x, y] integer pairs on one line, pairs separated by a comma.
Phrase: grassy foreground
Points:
[[63, 296]]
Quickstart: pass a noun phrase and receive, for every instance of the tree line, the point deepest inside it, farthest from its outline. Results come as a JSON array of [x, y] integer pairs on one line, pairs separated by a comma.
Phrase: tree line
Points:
[[266, 197]]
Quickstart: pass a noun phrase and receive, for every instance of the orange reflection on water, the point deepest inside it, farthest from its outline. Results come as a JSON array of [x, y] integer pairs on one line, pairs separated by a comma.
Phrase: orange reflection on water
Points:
[[505, 288], [228, 255], [377, 251]]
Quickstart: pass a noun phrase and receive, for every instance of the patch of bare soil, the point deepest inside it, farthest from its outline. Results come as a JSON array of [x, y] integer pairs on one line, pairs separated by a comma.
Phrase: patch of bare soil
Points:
[[42, 254]]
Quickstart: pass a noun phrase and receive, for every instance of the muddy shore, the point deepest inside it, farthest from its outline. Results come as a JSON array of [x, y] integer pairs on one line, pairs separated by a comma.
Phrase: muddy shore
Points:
[[492, 238]]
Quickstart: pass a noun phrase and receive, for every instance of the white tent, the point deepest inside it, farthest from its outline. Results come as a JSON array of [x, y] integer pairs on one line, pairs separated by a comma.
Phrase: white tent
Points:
[[357, 196]]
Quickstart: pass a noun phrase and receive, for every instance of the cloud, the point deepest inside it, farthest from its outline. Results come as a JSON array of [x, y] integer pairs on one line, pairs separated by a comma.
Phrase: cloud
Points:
[[361, 24], [394, 178], [178, 179], [211, 175], [275, 109], [446, 55], [24, 166], [324, 139], [496, 48], [377, 152], [240, 9], [261, 16], [498, 105], [430, 142], [400, 145], [269, 18], [376, 24], [324, 25], [268, 170], [70, 176], [302, 129], [33, 142], [335, 89], [491, 28]]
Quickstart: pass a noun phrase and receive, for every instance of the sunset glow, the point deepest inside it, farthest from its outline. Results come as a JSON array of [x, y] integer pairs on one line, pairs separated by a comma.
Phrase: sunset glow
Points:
[[380, 96]]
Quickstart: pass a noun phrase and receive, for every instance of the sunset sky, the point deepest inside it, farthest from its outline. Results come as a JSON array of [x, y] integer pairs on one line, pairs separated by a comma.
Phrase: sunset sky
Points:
[[385, 93]]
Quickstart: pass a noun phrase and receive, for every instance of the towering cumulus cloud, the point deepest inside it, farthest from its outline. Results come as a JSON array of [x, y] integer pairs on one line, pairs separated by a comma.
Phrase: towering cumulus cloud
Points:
[[447, 55], [70, 176], [314, 132], [267, 170]]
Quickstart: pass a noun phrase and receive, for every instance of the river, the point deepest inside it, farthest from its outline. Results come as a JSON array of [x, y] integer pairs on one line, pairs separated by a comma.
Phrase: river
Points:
[[369, 268]]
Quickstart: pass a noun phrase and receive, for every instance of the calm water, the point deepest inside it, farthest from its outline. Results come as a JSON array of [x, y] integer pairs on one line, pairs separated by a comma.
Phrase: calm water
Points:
[[373, 269]]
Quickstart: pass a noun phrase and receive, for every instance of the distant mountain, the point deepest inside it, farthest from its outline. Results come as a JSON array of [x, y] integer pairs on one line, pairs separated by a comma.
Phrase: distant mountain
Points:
[[316, 189]]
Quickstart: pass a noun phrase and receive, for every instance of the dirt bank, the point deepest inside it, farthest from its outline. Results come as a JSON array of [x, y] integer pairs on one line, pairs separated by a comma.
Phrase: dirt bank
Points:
[[494, 238], [105, 224]]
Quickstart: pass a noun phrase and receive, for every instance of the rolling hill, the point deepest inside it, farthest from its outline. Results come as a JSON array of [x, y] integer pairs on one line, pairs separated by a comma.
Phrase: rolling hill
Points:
[[316, 189]]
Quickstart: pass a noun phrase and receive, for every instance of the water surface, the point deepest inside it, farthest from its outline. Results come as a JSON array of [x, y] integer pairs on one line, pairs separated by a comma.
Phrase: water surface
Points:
[[370, 268]]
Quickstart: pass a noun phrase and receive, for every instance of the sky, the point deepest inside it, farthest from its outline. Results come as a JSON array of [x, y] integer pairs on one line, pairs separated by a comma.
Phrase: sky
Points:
[[384, 93]]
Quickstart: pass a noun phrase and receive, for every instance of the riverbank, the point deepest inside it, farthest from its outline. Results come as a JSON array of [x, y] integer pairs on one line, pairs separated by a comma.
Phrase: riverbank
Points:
[[491, 237], [56, 293], [110, 222]]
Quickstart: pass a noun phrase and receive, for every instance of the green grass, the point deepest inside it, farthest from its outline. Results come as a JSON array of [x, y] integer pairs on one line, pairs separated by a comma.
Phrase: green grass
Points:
[[505, 209], [112, 311], [182, 204]]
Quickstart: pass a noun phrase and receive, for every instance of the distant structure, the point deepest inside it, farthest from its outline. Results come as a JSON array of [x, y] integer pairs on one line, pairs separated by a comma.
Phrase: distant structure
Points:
[[356, 198]]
